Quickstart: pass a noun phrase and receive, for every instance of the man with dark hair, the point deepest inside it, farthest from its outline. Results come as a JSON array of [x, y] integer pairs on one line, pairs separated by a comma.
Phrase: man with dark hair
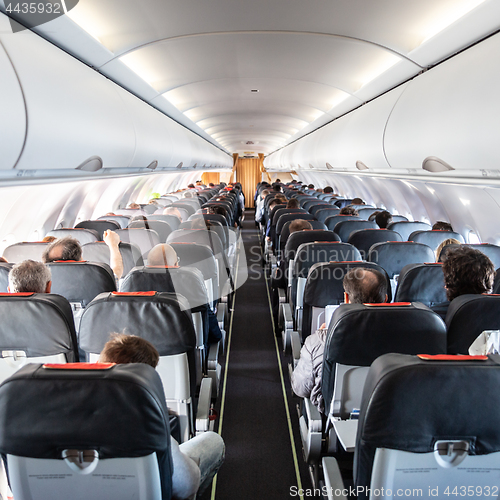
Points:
[[442, 226], [293, 203], [129, 349], [69, 248], [361, 286], [357, 201], [30, 276], [466, 270], [383, 219], [348, 211], [299, 225], [328, 190], [195, 461]]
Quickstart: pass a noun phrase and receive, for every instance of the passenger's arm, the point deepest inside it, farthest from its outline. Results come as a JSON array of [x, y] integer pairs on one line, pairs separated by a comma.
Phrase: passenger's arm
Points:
[[303, 375], [186, 477], [115, 257]]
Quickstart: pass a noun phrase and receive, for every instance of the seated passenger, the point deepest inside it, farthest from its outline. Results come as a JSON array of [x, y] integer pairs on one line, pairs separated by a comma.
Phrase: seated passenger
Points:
[[30, 276], [466, 270], [134, 206], [348, 211], [196, 461], [443, 244], [163, 255], [299, 225], [328, 190], [173, 211], [442, 226], [361, 286], [383, 219], [357, 201], [69, 248]]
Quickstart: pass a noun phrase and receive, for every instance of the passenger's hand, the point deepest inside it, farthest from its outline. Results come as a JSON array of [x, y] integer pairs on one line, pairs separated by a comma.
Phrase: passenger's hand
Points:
[[111, 238]]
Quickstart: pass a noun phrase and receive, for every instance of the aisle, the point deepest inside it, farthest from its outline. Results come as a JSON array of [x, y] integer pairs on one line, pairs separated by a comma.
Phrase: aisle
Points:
[[259, 458]]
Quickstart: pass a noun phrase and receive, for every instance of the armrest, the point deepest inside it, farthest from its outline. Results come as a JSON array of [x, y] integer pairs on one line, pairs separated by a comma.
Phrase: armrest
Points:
[[221, 314], [286, 316], [333, 480], [202, 423], [313, 416], [296, 346], [213, 356]]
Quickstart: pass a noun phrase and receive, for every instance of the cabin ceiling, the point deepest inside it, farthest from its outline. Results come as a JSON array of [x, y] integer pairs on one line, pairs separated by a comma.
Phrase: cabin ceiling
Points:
[[310, 61]]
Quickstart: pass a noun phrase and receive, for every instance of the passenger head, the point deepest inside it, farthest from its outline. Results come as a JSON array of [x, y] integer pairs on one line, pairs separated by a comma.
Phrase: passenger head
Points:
[[129, 349], [276, 187], [134, 206], [328, 189], [264, 193], [373, 216], [443, 245], [348, 211], [365, 286], [66, 248], [383, 219], [29, 276], [172, 211], [299, 225], [357, 201], [311, 186], [467, 270], [293, 203], [274, 203], [211, 184], [49, 239], [442, 226], [190, 186], [280, 197], [162, 255]]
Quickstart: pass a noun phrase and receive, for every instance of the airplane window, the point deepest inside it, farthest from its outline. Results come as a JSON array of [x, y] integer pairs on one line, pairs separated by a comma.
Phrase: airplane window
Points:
[[472, 238]]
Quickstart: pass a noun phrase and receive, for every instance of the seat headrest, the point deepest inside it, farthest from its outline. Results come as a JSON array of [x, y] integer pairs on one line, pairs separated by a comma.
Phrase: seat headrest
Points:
[[409, 403], [359, 333], [81, 281], [47, 315], [162, 318], [185, 281], [57, 409]]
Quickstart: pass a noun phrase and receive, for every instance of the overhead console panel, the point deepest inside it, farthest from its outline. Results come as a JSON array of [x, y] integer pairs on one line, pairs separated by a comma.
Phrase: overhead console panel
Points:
[[451, 113], [444, 122], [74, 114]]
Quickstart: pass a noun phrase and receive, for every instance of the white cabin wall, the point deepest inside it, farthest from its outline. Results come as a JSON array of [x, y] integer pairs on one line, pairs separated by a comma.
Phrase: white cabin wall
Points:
[[28, 212]]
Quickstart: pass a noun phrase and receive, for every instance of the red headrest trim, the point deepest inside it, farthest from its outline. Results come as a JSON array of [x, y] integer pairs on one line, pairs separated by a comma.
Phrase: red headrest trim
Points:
[[19, 294], [389, 304], [78, 366], [433, 263], [344, 261], [69, 261], [164, 267], [451, 357], [147, 294]]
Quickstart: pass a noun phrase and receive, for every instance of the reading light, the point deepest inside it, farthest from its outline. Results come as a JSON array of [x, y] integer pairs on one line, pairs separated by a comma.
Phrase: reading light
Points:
[[361, 166], [153, 165], [93, 164], [435, 164]]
